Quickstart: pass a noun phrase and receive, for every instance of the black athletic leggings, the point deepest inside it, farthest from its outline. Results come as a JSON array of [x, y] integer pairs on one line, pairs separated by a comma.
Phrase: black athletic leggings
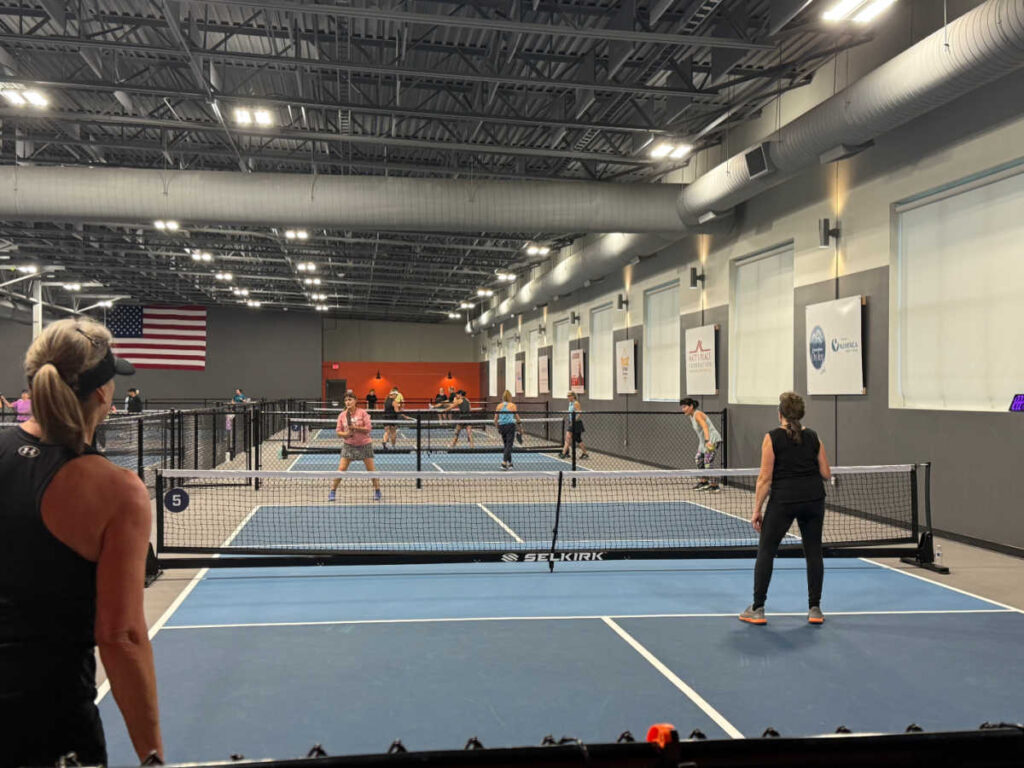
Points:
[[778, 517], [508, 437], [40, 734]]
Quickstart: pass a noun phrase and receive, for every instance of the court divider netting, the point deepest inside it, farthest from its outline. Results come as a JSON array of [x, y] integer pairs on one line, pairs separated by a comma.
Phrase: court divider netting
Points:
[[220, 518]]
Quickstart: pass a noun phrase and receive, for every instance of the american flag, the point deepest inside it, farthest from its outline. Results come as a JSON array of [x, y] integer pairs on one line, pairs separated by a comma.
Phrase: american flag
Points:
[[159, 337]]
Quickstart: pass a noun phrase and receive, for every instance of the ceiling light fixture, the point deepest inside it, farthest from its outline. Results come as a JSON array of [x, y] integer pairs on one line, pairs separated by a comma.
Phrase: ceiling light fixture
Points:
[[860, 11], [72, 286], [674, 150], [465, 305], [454, 316], [484, 292], [263, 118], [243, 116], [35, 98], [225, 276]]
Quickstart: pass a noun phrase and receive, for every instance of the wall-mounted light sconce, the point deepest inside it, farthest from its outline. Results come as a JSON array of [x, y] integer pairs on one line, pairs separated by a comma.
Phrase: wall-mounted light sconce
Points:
[[449, 376], [574, 318], [826, 232], [377, 377], [696, 278], [622, 302], [542, 329]]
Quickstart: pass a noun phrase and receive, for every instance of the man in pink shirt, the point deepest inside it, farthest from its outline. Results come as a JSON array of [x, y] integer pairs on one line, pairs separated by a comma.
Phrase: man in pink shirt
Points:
[[22, 406], [354, 429]]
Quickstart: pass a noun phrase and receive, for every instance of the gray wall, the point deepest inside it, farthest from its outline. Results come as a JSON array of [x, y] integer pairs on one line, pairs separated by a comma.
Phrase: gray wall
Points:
[[14, 341], [370, 340], [268, 354]]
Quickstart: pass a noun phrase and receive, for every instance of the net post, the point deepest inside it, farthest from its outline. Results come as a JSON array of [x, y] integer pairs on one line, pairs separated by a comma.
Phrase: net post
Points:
[[257, 438], [159, 491], [139, 427], [558, 516], [572, 444], [195, 440], [419, 448], [925, 556]]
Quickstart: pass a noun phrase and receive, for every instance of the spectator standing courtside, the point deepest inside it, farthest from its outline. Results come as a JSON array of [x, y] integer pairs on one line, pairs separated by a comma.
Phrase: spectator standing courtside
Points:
[[133, 402], [371, 400], [74, 532]]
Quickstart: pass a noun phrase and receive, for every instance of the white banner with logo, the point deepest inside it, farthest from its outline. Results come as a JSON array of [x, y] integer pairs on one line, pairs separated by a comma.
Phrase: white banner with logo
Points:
[[625, 366], [519, 376], [701, 373], [835, 351], [543, 374], [577, 382]]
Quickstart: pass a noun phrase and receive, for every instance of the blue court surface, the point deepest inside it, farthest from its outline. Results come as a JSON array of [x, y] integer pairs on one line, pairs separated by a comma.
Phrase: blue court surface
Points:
[[267, 662], [438, 461]]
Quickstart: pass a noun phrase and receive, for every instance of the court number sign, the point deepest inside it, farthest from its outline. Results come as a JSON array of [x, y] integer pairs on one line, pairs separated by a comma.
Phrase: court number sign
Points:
[[176, 500]]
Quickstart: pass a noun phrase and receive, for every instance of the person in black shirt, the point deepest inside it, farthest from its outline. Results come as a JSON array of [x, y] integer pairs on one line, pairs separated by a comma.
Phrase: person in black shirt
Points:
[[371, 400], [793, 468], [74, 532], [463, 412], [133, 402]]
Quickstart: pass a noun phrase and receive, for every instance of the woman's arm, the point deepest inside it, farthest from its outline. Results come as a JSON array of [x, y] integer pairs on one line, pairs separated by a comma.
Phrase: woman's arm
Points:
[[823, 468], [764, 482], [120, 620]]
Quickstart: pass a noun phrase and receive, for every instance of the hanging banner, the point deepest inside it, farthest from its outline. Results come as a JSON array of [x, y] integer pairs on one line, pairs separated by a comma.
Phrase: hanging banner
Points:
[[835, 352], [576, 379], [519, 376], [701, 372], [543, 375], [625, 366]]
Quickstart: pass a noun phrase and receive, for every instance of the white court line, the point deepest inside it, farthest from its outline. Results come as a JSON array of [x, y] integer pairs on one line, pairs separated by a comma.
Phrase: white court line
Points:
[[501, 522], [582, 617], [687, 691], [437, 466], [104, 687], [940, 584]]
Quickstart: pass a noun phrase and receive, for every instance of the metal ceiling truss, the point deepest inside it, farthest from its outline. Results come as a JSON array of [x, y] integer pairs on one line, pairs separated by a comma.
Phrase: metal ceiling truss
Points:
[[497, 89]]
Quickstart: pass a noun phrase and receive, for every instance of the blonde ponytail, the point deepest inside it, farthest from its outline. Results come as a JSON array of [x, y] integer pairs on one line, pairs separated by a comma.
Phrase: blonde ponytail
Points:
[[57, 409], [63, 351]]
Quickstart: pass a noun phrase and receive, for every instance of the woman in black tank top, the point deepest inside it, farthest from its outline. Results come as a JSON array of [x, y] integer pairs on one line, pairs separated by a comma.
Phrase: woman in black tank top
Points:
[[793, 468], [66, 515]]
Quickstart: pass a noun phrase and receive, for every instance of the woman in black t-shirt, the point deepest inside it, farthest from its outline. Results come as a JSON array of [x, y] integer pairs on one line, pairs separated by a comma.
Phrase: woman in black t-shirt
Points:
[[793, 468]]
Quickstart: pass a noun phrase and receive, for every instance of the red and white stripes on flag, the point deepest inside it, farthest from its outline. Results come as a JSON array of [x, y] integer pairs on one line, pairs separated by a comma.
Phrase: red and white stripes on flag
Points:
[[160, 337]]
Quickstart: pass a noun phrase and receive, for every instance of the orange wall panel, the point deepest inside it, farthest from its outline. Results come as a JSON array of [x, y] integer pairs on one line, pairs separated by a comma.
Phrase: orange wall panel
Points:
[[416, 381]]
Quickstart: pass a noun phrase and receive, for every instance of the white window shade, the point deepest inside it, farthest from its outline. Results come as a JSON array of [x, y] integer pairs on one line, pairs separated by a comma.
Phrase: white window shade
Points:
[[532, 345], [601, 370], [959, 299], [510, 365], [492, 371], [761, 328], [661, 343], [560, 360]]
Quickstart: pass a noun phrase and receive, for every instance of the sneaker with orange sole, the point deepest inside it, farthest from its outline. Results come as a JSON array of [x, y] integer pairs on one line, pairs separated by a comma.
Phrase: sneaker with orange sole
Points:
[[814, 616], [753, 615]]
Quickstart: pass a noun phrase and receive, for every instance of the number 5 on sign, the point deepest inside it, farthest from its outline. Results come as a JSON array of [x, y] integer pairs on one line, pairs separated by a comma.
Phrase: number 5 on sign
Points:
[[176, 500]]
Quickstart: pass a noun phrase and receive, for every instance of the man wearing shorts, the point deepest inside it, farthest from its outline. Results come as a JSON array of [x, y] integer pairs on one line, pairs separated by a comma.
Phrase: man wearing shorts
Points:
[[463, 413], [354, 429]]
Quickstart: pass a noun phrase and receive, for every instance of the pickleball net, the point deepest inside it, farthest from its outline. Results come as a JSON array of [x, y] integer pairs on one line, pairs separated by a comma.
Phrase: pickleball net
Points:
[[457, 517]]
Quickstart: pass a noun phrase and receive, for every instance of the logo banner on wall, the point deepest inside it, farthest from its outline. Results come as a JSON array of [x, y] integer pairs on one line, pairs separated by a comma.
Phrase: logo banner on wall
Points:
[[625, 366], [577, 382], [519, 376], [701, 372], [835, 350], [543, 375]]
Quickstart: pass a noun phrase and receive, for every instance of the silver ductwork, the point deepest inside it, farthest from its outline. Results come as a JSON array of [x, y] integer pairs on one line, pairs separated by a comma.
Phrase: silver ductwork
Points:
[[983, 45], [337, 202], [594, 260], [975, 49]]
